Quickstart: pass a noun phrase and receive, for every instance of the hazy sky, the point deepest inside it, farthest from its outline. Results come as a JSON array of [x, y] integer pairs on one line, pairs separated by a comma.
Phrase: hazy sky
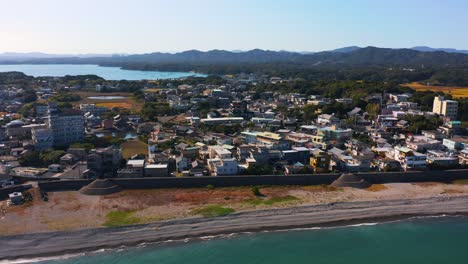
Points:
[[139, 26]]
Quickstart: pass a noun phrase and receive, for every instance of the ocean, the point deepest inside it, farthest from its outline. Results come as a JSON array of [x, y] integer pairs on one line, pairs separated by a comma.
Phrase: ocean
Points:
[[419, 240], [108, 73]]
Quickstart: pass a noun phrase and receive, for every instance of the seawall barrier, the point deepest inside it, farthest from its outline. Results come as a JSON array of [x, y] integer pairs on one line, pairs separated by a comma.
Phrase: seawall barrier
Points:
[[232, 181], [4, 192]]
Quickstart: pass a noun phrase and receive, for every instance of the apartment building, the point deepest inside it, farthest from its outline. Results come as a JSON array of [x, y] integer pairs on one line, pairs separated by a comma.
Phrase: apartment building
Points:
[[447, 108], [104, 162], [67, 126]]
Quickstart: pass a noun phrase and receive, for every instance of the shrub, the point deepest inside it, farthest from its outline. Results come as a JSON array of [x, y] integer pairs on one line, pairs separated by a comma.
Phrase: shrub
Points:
[[213, 211], [256, 191]]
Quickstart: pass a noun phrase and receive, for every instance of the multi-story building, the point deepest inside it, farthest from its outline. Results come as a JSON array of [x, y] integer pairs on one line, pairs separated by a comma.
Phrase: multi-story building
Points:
[[220, 167], [448, 108], [319, 160], [456, 143], [93, 109], [410, 159], [42, 138], [463, 157], [67, 125], [299, 139], [272, 140], [104, 162]]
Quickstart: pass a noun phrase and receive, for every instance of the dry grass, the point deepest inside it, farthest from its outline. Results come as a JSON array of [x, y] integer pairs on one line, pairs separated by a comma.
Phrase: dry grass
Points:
[[133, 147], [426, 184], [111, 105], [321, 188], [376, 188], [128, 102], [452, 191], [460, 182], [456, 92]]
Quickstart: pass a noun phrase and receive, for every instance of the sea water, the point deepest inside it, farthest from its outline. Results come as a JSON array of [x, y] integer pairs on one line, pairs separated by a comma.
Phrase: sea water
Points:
[[419, 240], [108, 73]]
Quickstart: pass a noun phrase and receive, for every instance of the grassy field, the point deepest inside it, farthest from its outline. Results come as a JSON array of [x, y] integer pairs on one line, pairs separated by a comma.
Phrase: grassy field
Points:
[[120, 218], [456, 92], [128, 102], [273, 200], [213, 211], [133, 147]]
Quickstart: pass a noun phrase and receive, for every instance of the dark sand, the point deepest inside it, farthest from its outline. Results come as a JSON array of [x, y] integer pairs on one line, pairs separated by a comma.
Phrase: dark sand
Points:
[[60, 243]]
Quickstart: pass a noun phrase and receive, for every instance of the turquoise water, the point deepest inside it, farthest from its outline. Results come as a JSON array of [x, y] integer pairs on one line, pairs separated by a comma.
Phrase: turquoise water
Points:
[[441, 240], [108, 73]]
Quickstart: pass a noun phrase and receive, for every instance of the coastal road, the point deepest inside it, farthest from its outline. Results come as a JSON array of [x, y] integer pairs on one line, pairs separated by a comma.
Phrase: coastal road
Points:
[[59, 243]]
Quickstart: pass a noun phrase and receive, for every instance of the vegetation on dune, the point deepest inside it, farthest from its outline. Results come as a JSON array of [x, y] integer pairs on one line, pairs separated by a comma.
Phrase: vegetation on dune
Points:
[[121, 218], [213, 211], [460, 182], [273, 200], [376, 188], [256, 191], [322, 188]]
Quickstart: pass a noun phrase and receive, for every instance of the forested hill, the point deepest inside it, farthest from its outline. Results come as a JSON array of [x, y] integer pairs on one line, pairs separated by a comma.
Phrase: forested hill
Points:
[[399, 65], [369, 56]]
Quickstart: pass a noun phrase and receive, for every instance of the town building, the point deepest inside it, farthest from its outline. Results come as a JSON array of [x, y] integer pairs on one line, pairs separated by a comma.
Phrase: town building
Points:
[[103, 162], [42, 138], [67, 125], [444, 107]]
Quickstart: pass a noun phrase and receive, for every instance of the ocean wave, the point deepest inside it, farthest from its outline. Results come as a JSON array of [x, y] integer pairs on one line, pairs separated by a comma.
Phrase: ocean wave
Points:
[[363, 224], [41, 259], [222, 236]]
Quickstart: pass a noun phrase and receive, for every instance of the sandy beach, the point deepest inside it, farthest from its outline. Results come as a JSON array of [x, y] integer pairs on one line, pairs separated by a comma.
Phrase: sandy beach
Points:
[[341, 213]]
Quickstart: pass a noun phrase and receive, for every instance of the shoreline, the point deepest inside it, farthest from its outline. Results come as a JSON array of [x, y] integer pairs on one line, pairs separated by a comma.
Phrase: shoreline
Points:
[[52, 244]]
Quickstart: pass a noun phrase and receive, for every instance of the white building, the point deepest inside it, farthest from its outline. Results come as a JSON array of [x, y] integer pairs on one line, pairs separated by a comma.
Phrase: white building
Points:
[[220, 167], [67, 126], [448, 108], [410, 159], [42, 138]]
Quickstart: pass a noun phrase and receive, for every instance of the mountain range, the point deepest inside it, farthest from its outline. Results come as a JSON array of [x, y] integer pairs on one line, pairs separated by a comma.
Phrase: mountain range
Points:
[[347, 56]]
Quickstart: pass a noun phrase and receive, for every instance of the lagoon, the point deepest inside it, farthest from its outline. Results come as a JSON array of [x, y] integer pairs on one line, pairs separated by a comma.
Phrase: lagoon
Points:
[[108, 73]]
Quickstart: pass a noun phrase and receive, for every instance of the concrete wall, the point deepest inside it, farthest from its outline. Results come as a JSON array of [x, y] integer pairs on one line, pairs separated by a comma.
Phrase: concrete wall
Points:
[[63, 185], [230, 181], [4, 192], [416, 176]]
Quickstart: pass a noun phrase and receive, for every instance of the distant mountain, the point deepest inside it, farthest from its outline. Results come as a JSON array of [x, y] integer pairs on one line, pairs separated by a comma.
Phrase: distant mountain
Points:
[[346, 49], [19, 57], [194, 59], [429, 49]]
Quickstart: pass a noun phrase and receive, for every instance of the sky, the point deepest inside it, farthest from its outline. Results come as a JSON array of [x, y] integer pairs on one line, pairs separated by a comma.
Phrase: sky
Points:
[[142, 26]]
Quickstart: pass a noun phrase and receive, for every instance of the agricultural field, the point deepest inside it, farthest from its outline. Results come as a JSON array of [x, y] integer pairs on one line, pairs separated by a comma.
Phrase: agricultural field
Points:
[[456, 92], [133, 147], [127, 102]]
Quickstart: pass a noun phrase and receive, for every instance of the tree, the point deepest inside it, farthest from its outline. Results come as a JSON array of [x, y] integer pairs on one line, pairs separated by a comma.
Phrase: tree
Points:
[[151, 110], [30, 159], [51, 157], [29, 95], [373, 110]]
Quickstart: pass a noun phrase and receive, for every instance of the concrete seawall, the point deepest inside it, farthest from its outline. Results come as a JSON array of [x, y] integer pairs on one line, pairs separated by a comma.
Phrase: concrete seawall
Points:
[[231, 181], [4, 192]]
